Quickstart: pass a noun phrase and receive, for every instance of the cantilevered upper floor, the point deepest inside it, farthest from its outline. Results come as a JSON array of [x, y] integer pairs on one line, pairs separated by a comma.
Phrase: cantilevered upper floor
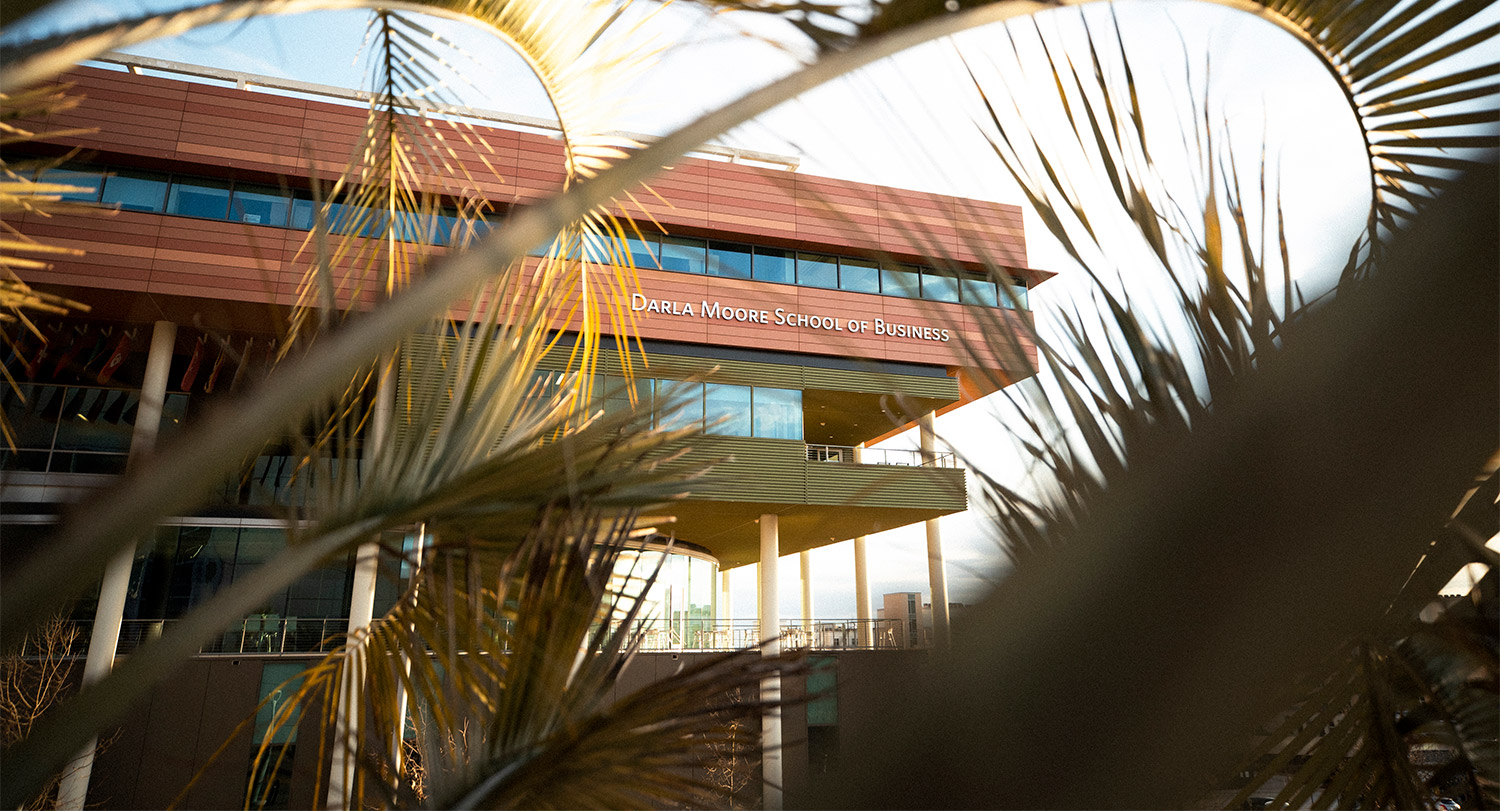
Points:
[[814, 303]]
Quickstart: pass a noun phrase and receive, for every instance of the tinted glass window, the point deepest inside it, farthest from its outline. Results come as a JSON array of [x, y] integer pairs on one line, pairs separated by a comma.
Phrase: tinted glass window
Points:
[[346, 218], [817, 270], [135, 191], [731, 261], [444, 227], [644, 252], [261, 205], [199, 198], [726, 409], [89, 183], [1014, 295], [682, 404], [980, 291], [302, 212], [778, 413], [684, 255], [618, 391], [938, 286], [859, 275], [772, 265], [901, 281]]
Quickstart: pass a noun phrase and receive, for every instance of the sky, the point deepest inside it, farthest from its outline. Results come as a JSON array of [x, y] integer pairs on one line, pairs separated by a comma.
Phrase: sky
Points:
[[905, 122]]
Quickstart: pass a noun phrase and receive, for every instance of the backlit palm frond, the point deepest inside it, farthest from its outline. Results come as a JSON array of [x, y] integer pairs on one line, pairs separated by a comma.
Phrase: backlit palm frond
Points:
[[505, 666], [23, 193], [1419, 77], [1392, 724], [379, 216], [1119, 374], [479, 450], [586, 56], [1394, 720]]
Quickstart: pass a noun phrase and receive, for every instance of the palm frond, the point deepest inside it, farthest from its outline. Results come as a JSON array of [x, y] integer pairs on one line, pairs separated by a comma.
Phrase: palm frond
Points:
[[23, 193], [507, 663]]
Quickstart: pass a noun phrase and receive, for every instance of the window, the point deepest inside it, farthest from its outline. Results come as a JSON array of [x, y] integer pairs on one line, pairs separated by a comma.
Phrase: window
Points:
[[817, 270], [88, 182], [980, 291], [644, 252], [135, 191], [271, 777], [903, 280], [1015, 295], [617, 394], [684, 255], [726, 409], [778, 413], [302, 211], [199, 198], [938, 286], [773, 265], [728, 260], [683, 404], [859, 275], [258, 205]]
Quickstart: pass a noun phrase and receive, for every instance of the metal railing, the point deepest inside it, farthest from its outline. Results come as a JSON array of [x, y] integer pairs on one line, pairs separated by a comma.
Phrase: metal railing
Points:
[[821, 635], [901, 457], [259, 634], [286, 635]]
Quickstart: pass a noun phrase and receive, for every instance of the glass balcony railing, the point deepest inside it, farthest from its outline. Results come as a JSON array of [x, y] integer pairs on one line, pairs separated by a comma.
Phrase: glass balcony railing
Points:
[[845, 454], [270, 634]]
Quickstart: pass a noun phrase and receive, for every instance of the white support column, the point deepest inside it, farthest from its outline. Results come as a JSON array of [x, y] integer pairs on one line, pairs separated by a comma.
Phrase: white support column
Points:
[[805, 559], [937, 575], [73, 791], [361, 599], [864, 636], [726, 602], [770, 688]]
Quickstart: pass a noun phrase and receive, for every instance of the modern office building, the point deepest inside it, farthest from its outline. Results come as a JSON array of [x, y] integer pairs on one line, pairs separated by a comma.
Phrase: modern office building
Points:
[[813, 299]]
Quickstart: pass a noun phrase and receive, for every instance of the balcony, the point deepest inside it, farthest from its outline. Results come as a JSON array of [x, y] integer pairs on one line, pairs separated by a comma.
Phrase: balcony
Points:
[[273, 635], [899, 457]]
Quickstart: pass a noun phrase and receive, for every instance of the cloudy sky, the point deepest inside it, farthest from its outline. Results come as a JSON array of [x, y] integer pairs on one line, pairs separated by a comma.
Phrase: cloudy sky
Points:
[[905, 122]]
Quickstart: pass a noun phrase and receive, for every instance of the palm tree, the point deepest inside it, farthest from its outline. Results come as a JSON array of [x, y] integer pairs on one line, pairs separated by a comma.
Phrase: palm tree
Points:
[[1390, 58]]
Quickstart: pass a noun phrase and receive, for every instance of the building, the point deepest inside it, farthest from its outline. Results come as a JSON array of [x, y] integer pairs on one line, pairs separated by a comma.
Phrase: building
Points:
[[804, 292]]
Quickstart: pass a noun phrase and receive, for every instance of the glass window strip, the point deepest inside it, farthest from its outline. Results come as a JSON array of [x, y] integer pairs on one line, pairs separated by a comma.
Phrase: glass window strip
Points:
[[135, 190]]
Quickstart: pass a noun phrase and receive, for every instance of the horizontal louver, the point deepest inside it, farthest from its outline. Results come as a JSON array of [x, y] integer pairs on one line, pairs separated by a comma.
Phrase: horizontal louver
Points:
[[748, 373]]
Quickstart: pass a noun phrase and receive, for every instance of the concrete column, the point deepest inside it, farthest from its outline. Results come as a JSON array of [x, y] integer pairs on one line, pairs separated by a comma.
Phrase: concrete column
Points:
[[807, 591], [864, 636], [726, 602], [770, 688], [73, 791], [361, 597], [937, 575]]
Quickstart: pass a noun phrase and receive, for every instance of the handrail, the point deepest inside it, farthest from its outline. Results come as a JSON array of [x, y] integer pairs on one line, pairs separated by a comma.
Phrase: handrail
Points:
[[278, 636], [896, 457]]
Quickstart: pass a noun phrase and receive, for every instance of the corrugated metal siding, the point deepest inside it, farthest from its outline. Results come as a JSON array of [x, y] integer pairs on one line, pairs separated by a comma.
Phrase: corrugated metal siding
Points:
[[777, 470], [880, 382], [748, 373], [746, 469], [833, 483]]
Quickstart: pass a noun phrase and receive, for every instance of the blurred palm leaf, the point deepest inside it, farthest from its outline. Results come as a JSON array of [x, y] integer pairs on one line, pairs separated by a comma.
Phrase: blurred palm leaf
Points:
[[486, 452], [1354, 736], [22, 193], [508, 663]]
